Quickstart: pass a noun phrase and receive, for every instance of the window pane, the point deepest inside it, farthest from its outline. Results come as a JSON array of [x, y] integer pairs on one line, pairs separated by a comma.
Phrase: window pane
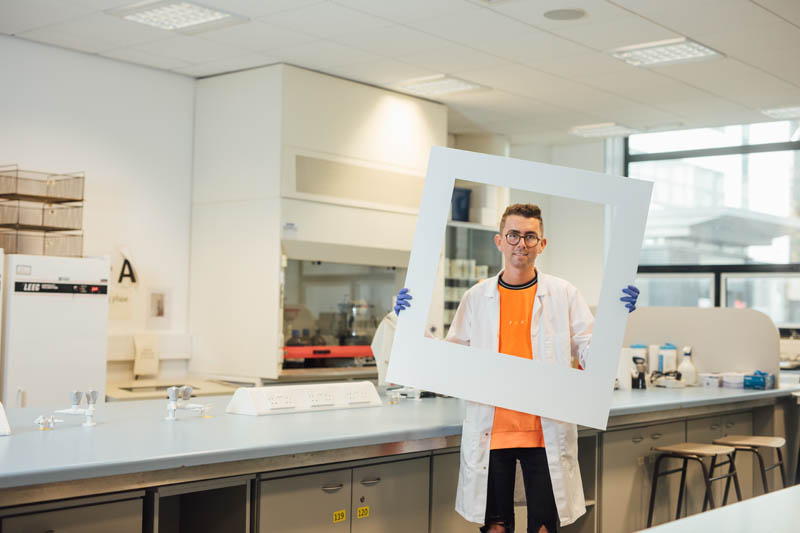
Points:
[[678, 291], [729, 209], [697, 139], [776, 296]]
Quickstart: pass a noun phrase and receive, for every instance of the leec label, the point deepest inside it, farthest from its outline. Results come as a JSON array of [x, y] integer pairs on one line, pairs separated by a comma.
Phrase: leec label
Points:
[[362, 512], [339, 516]]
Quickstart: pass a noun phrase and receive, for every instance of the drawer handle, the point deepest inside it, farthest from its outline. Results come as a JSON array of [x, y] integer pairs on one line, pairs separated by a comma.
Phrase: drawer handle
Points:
[[369, 482], [333, 488], [730, 424], [714, 426], [637, 440], [656, 436]]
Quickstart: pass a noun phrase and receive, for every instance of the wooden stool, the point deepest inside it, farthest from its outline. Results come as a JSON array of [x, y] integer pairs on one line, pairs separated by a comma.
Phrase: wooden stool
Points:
[[694, 451], [751, 443]]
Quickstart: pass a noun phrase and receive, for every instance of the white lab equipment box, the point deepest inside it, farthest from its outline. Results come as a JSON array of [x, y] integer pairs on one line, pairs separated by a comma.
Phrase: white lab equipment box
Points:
[[55, 328]]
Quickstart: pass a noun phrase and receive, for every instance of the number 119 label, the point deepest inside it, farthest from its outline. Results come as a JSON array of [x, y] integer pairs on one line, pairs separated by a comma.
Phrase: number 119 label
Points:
[[339, 516]]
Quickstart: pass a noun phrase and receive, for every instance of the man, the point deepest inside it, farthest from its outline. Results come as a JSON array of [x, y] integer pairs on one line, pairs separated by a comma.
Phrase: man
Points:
[[525, 313]]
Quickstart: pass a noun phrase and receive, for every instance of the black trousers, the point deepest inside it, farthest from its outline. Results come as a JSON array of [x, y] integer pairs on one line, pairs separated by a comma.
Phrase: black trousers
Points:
[[542, 509]]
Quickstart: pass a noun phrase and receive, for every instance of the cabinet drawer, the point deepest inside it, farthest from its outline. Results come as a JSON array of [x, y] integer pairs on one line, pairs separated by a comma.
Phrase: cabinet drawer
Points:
[[306, 504], [443, 497], [627, 471], [119, 517], [395, 494]]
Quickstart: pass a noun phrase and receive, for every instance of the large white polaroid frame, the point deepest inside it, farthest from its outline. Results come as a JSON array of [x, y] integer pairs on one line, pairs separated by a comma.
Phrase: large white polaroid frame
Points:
[[560, 393]]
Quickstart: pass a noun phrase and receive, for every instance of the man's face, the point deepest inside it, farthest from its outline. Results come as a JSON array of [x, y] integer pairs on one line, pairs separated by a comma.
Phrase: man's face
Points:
[[520, 256]]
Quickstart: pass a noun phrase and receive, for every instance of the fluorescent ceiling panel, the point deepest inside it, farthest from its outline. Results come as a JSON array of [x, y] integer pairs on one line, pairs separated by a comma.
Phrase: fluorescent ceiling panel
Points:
[[783, 112], [603, 129], [439, 85], [172, 15], [665, 52]]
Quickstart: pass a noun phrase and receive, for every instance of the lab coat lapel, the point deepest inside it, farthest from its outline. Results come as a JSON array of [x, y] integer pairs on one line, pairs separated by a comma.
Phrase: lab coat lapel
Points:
[[493, 295]]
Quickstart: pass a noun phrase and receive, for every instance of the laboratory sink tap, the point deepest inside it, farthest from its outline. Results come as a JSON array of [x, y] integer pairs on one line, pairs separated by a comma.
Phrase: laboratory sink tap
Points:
[[177, 399], [76, 409]]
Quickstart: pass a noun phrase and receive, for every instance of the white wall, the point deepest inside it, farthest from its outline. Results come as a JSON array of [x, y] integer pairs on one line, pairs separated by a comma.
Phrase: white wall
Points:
[[574, 230], [130, 129]]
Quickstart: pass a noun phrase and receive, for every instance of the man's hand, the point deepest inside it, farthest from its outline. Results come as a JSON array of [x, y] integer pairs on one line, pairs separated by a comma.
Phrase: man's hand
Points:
[[403, 301], [632, 295]]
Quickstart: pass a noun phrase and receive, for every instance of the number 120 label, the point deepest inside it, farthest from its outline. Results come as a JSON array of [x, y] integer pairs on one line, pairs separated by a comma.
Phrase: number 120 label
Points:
[[362, 512]]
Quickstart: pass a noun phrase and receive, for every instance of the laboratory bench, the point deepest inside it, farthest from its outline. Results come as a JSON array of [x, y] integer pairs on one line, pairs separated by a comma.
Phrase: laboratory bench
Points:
[[388, 468]]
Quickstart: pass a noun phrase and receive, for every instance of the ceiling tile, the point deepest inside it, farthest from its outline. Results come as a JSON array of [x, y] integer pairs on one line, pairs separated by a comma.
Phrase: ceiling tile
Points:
[[142, 58], [488, 103], [97, 31], [529, 46], [735, 81], [788, 9], [229, 64], [20, 15], [408, 10], [392, 41], [622, 31], [100, 5], [257, 8], [451, 59], [643, 85], [384, 71], [533, 12], [583, 65], [191, 49], [325, 20], [257, 36], [694, 18], [321, 55], [470, 27]]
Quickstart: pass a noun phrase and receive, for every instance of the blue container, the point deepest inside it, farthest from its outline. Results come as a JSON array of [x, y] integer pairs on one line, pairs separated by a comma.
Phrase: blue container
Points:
[[460, 204]]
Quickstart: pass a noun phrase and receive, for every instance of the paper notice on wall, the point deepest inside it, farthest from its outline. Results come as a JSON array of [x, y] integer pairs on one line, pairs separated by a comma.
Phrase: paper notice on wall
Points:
[[120, 302]]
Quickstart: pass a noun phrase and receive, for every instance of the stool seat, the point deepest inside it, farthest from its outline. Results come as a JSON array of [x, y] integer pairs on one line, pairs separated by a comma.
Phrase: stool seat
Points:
[[696, 448], [753, 441]]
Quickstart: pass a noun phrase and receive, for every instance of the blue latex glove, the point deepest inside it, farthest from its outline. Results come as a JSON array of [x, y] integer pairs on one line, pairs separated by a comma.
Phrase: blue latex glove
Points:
[[403, 301], [632, 295]]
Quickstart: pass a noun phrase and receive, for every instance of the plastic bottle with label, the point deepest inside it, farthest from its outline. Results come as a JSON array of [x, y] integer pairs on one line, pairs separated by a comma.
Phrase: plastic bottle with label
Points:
[[686, 368]]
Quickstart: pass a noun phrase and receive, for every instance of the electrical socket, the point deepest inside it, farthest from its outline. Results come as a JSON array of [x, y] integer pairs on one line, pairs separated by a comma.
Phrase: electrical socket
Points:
[[279, 400], [321, 398], [357, 396]]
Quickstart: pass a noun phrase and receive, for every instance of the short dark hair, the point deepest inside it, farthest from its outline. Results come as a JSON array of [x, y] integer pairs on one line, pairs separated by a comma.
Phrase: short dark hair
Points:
[[522, 210]]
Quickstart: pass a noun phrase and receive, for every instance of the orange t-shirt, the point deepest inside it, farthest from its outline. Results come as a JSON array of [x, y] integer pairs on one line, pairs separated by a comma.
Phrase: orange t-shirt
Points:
[[512, 429]]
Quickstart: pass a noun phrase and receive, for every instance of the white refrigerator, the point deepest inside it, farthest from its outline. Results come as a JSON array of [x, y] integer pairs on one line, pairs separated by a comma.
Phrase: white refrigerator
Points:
[[55, 329]]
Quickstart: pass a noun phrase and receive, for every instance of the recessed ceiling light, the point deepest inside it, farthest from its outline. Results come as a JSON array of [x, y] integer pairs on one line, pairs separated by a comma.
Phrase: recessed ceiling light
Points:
[[184, 17], [666, 52], [782, 112], [438, 85], [604, 129], [565, 14]]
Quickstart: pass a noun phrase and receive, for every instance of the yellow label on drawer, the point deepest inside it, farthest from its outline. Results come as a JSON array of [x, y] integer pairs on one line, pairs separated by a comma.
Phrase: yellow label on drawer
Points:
[[362, 512], [339, 516]]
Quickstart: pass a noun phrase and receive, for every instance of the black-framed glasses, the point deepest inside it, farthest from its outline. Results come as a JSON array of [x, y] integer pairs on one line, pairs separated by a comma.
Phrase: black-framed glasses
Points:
[[531, 239]]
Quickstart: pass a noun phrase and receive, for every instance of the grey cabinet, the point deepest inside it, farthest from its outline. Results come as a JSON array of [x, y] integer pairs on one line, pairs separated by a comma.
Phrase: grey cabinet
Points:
[[626, 473], [444, 484], [391, 497], [119, 517], [307, 503], [741, 424], [705, 430]]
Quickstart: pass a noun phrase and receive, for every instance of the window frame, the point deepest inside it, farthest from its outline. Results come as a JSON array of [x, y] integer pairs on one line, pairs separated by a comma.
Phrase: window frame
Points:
[[719, 271]]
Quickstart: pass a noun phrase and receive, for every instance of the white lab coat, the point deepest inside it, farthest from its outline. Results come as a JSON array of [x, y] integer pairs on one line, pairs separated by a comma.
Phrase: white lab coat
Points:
[[561, 329], [382, 345]]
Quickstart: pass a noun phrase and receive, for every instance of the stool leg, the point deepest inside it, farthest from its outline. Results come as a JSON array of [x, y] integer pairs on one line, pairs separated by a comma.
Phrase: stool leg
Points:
[[653, 490], [682, 488], [763, 471], [783, 469], [728, 482], [732, 470], [709, 498]]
